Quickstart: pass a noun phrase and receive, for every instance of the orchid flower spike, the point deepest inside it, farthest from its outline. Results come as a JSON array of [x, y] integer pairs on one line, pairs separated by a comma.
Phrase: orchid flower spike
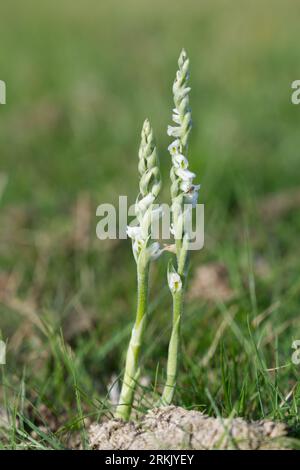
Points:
[[184, 195], [145, 209], [144, 250]]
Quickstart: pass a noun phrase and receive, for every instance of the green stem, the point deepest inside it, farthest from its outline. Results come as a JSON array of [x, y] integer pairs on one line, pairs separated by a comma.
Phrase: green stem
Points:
[[174, 344], [132, 359], [173, 352]]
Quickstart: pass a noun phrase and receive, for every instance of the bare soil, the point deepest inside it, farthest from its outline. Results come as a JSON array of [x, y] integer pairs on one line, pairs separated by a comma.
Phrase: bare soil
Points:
[[176, 428]]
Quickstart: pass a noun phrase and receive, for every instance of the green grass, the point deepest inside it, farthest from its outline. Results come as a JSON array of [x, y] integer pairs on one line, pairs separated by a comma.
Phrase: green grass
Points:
[[80, 79]]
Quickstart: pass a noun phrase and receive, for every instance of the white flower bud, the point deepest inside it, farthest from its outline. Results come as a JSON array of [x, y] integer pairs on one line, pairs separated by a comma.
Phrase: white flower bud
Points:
[[150, 184], [174, 131], [144, 203], [176, 116], [175, 283]]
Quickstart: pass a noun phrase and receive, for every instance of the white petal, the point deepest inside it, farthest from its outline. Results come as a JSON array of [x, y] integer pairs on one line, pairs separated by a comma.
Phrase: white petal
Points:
[[176, 118], [187, 186], [146, 202], [175, 283], [183, 92], [180, 161], [174, 131], [133, 232], [185, 175], [174, 147]]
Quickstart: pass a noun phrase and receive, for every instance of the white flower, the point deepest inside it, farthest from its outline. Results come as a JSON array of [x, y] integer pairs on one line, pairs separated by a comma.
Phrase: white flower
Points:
[[134, 232], [181, 93], [189, 187], [137, 246], [149, 220], [180, 161], [185, 174], [174, 131], [154, 250], [144, 203], [176, 116], [175, 283], [138, 243], [175, 147]]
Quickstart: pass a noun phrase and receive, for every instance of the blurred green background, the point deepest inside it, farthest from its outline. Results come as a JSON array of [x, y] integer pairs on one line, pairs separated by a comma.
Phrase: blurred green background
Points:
[[81, 77]]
